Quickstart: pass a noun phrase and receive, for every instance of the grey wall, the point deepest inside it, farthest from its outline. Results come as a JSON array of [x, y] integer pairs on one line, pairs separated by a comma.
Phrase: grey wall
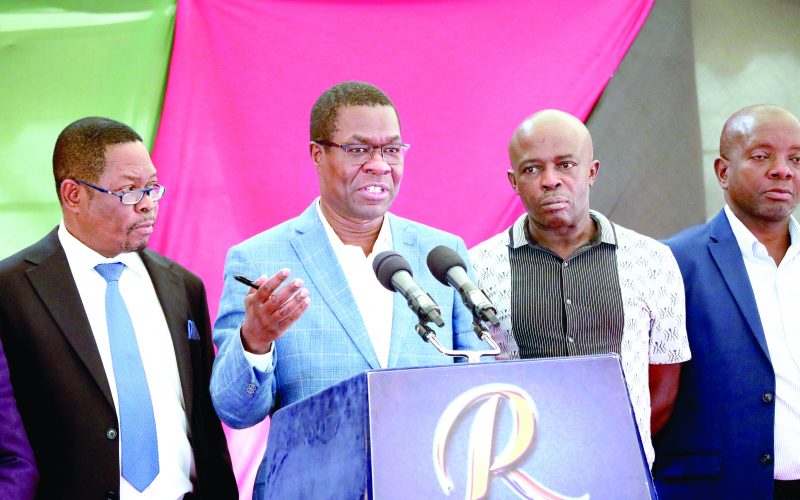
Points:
[[746, 52], [646, 130]]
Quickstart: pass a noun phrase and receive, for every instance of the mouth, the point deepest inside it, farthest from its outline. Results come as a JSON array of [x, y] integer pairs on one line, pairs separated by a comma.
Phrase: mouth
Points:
[[779, 194], [143, 227], [374, 191], [554, 203]]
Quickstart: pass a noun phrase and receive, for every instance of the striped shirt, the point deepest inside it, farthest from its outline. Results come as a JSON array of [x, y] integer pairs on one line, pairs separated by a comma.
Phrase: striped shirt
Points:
[[621, 292]]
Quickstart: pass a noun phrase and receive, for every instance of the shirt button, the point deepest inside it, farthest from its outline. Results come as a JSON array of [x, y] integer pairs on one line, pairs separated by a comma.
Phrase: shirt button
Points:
[[571, 338], [767, 397], [111, 433], [568, 301], [566, 264], [766, 459]]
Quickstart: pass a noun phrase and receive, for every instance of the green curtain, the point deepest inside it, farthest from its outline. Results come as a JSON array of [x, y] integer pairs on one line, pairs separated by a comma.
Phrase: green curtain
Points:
[[60, 61]]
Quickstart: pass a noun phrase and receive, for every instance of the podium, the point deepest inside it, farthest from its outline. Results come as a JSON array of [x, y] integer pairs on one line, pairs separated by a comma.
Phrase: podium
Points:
[[546, 429]]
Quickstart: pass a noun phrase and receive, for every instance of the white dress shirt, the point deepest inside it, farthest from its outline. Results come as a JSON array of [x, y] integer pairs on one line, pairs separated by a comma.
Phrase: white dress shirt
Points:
[[777, 292], [375, 303], [176, 461], [373, 300]]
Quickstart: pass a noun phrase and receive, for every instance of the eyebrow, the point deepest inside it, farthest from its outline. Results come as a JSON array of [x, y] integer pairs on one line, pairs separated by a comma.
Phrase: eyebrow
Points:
[[559, 158], [368, 140]]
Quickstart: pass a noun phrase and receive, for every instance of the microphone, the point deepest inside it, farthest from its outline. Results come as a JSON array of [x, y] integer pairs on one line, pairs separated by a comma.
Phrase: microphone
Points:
[[449, 268], [394, 273]]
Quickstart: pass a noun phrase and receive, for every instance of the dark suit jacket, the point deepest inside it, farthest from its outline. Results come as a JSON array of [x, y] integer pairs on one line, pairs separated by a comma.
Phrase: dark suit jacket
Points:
[[18, 474], [719, 440], [61, 387]]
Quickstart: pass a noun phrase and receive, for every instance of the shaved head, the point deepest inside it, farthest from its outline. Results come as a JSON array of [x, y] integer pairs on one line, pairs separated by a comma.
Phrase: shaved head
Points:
[[552, 170], [759, 166], [740, 126], [544, 122]]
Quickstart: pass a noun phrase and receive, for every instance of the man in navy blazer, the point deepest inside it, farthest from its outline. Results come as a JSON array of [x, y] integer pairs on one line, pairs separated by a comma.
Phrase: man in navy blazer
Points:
[[332, 320], [735, 428]]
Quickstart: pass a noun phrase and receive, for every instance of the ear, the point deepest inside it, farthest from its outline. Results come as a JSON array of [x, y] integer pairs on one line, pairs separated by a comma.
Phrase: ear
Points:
[[316, 152], [594, 167], [721, 166], [70, 195], [512, 179]]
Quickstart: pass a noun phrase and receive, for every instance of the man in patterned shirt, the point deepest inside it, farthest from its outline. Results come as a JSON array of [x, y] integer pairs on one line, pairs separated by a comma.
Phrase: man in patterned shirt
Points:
[[566, 281]]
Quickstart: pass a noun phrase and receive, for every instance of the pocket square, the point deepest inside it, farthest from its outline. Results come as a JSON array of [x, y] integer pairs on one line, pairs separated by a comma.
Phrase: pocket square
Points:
[[193, 334]]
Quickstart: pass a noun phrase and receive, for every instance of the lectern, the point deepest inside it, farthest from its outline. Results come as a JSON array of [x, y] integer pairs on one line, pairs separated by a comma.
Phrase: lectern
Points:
[[546, 429]]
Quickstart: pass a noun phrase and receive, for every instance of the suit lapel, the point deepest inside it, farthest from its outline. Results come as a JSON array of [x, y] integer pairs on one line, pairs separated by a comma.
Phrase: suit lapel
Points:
[[404, 241], [52, 279], [171, 292], [728, 256], [316, 254]]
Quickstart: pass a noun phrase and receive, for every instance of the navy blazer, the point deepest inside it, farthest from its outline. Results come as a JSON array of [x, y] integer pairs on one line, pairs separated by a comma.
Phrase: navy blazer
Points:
[[719, 440]]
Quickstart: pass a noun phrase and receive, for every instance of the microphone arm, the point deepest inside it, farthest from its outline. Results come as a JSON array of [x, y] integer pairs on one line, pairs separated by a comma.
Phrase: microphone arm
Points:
[[428, 335]]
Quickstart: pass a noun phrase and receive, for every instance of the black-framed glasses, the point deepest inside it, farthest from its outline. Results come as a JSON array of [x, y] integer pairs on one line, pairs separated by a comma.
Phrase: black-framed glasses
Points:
[[393, 154], [132, 197]]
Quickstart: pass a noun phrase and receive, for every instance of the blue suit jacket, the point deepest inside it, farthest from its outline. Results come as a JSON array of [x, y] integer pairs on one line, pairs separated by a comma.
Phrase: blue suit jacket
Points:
[[719, 440], [329, 343]]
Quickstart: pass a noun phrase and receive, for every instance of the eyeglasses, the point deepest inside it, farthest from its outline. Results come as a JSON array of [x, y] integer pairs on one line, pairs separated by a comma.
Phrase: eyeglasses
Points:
[[392, 154], [132, 197]]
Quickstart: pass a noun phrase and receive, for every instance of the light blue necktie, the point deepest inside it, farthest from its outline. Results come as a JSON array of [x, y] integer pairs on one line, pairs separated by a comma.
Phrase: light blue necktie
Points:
[[137, 422]]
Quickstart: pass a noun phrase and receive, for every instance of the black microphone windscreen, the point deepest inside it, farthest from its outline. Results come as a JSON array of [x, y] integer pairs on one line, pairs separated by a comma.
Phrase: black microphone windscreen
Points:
[[386, 264], [441, 259]]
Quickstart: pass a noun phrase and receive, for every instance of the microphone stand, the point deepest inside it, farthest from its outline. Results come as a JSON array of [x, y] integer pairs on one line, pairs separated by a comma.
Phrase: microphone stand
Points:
[[428, 335]]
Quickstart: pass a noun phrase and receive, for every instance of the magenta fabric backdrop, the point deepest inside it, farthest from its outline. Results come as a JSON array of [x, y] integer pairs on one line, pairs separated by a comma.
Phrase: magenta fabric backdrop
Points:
[[232, 146]]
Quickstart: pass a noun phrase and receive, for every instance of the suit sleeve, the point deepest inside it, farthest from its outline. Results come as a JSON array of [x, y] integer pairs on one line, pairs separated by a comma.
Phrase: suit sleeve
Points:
[[18, 475], [242, 394]]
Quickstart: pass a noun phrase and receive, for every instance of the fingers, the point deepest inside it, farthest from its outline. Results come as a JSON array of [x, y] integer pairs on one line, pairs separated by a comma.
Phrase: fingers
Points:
[[272, 309], [292, 309], [267, 286]]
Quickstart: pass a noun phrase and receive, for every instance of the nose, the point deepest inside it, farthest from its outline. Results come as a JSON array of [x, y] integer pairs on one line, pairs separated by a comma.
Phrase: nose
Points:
[[550, 178], [780, 169], [146, 204], [376, 164]]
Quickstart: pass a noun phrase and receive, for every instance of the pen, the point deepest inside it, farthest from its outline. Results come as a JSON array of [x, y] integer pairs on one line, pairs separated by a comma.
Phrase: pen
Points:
[[242, 279]]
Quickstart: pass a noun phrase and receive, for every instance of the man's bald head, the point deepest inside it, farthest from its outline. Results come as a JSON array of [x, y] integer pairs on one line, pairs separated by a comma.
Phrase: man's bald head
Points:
[[759, 166], [544, 123], [740, 126]]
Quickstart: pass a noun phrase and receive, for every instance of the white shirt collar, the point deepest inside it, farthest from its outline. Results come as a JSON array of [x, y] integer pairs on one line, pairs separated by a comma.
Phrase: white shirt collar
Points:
[[383, 242], [81, 256], [749, 244]]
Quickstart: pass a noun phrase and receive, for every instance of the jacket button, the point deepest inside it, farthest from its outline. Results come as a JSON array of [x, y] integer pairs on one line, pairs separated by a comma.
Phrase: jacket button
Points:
[[766, 459], [767, 397], [111, 433], [111, 495]]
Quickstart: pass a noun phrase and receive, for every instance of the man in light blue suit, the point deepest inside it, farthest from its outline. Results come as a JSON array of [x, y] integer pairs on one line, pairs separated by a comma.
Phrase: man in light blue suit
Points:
[[735, 428], [333, 320]]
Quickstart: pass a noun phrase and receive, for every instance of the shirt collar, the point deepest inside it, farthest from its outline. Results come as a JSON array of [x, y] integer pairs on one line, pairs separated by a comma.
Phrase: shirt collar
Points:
[[82, 257], [604, 234], [382, 243], [749, 244]]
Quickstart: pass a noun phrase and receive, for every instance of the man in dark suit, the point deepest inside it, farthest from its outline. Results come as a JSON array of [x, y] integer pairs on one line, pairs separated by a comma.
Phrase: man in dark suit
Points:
[[735, 428], [18, 474], [109, 344]]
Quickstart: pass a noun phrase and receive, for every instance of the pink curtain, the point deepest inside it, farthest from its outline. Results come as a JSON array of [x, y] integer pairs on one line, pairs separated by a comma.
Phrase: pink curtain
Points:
[[232, 146]]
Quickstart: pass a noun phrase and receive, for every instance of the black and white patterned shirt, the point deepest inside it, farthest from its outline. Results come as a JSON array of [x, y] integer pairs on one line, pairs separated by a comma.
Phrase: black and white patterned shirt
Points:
[[621, 292]]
